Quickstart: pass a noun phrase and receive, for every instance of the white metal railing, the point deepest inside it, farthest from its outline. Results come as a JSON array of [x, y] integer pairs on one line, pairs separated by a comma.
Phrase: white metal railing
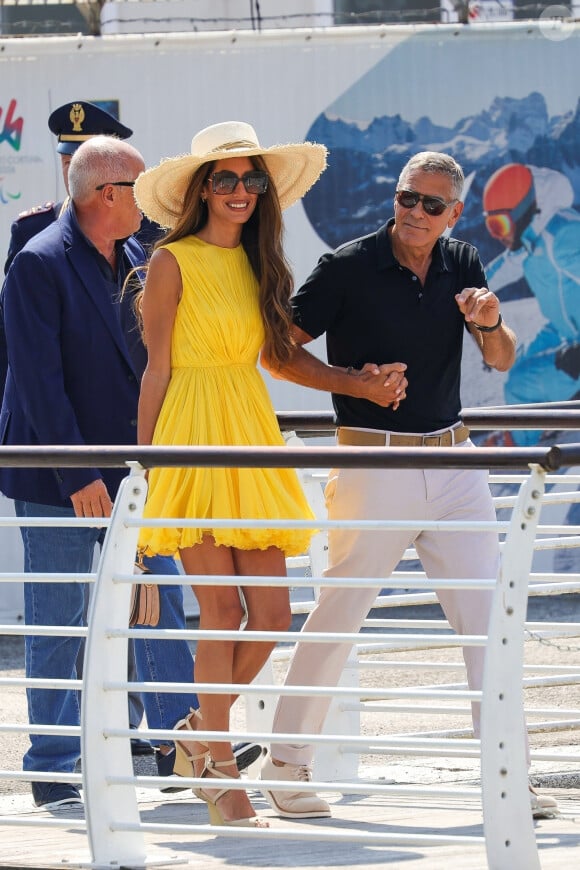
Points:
[[113, 825], [115, 832]]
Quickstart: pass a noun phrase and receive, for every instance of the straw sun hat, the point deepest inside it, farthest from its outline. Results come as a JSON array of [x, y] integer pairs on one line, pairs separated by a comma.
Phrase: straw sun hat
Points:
[[293, 168]]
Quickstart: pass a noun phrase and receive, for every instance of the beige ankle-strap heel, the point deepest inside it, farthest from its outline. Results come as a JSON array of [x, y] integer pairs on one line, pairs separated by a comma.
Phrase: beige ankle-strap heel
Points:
[[215, 815], [184, 764]]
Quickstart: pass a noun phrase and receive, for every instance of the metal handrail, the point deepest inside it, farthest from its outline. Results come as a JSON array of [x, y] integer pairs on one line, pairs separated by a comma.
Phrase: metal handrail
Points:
[[112, 817]]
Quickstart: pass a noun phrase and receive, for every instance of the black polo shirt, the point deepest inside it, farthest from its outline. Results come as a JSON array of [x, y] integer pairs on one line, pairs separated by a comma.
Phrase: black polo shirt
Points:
[[374, 310]]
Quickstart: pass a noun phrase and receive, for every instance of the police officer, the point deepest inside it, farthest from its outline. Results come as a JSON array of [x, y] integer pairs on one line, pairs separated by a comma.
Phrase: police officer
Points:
[[72, 124]]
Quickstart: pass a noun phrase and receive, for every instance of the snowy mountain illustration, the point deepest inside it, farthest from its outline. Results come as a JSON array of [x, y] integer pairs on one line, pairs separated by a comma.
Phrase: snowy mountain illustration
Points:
[[355, 194]]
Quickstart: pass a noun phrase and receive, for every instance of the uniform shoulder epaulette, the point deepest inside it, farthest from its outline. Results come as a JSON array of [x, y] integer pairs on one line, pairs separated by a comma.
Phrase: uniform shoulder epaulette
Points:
[[38, 209]]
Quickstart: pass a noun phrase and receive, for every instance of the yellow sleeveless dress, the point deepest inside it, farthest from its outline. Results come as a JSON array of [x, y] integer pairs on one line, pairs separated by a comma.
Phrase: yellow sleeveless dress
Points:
[[216, 396]]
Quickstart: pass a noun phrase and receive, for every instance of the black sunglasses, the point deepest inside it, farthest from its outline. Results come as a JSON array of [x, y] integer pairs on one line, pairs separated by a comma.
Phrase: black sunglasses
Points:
[[115, 184], [432, 205], [225, 182]]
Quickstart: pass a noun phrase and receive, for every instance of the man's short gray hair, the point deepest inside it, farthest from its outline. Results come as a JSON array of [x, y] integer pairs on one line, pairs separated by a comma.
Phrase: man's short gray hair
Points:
[[100, 159], [436, 162]]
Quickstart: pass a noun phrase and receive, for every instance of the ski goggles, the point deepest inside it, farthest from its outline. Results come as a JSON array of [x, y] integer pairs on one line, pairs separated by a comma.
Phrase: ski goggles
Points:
[[255, 181], [500, 225], [432, 205]]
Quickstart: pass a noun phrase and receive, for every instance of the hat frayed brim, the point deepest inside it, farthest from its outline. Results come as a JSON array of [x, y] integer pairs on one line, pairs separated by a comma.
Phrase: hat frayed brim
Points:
[[293, 169]]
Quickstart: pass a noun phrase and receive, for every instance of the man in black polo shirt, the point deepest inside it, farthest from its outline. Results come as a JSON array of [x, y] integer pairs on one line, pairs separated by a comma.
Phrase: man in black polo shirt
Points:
[[404, 293]]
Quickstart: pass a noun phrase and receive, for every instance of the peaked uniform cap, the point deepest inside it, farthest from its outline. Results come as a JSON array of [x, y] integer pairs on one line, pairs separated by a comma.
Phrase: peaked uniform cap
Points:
[[293, 169], [78, 121]]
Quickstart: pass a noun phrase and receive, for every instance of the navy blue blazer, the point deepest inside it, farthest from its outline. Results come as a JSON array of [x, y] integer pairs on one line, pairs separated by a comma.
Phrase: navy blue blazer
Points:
[[75, 360], [29, 224]]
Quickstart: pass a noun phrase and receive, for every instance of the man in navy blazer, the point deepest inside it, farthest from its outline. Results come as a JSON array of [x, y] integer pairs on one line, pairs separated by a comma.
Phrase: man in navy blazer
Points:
[[72, 123], [75, 364]]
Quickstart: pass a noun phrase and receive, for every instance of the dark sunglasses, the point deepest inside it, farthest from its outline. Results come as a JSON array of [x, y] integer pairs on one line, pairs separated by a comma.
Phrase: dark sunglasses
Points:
[[254, 181], [432, 205], [115, 184]]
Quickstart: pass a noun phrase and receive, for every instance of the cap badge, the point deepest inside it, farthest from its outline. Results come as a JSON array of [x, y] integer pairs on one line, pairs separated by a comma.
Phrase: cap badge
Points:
[[77, 116]]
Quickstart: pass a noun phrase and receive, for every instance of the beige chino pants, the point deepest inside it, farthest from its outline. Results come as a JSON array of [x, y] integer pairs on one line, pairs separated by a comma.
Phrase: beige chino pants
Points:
[[391, 494]]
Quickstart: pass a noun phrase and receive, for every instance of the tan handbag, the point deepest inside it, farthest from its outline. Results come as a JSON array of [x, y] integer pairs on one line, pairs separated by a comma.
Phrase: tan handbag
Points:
[[144, 608]]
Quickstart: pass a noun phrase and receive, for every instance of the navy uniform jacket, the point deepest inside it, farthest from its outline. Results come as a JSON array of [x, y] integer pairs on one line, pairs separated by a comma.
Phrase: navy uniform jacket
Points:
[[29, 224], [76, 360]]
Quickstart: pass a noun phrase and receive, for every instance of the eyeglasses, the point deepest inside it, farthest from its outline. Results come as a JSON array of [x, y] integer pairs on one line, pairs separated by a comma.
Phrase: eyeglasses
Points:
[[115, 184], [500, 225], [432, 205], [225, 182]]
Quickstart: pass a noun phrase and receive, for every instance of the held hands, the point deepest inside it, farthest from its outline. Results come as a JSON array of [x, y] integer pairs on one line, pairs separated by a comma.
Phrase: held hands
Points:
[[92, 500], [479, 306], [382, 384]]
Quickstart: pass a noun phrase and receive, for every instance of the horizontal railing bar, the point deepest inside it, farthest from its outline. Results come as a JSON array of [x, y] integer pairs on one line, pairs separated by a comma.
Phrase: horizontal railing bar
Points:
[[50, 730], [280, 737], [307, 582], [368, 707], [509, 501], [66, 456], [290, 637], [104, 522], [40, 776], [45, 630], [59, 522], [553, 756], [318, 524], [551, 626], [371, 787], [536, 416], [50, 578], [556, 544], [301, 691], [389, 664]]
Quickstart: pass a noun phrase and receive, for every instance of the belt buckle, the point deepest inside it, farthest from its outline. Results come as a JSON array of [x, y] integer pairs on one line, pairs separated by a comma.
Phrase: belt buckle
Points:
[[431, 440]]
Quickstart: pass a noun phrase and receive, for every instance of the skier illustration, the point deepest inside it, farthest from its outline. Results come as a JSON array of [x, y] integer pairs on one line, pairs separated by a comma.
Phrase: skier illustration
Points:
[[529, 210]]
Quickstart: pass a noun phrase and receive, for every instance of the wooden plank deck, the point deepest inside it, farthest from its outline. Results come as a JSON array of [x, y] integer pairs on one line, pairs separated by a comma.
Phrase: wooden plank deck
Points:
[[293, 844]]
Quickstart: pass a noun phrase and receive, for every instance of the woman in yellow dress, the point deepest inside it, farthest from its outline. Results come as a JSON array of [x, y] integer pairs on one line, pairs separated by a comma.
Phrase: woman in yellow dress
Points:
[[217, 291]]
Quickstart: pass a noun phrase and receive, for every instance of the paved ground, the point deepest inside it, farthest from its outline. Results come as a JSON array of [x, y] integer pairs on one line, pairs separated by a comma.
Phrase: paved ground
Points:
[[369, 815]]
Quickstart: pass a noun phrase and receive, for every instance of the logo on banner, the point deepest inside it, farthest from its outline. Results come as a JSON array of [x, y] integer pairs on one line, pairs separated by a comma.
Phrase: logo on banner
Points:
[[11, 128], [11, 131]]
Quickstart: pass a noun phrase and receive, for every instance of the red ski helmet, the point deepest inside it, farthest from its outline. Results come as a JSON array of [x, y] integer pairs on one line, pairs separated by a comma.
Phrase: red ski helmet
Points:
[[509, 202]]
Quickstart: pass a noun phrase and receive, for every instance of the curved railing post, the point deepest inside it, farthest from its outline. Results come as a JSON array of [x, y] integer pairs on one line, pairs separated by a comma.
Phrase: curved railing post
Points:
[[106, 661], [508, 824]]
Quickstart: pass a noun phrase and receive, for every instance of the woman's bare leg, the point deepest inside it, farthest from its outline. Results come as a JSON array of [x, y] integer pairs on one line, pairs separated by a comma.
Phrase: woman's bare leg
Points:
[[219, 608], [268, 609]]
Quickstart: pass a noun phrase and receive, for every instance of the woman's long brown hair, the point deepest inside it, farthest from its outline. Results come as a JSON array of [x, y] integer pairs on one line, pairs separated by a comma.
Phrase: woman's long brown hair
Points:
[[262, 238]]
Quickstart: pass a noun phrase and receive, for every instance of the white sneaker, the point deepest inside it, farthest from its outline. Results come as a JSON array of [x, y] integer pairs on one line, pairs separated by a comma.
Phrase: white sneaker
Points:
[[293, 804], [543, 806]]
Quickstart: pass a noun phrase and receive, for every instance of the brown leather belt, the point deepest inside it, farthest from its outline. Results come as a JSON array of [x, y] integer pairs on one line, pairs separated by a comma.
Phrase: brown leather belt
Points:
[[355, 437]]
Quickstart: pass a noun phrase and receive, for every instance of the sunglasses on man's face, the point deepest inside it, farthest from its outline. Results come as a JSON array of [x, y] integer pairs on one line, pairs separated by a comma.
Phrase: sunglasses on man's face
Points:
[[432, 205], [255, 181]]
